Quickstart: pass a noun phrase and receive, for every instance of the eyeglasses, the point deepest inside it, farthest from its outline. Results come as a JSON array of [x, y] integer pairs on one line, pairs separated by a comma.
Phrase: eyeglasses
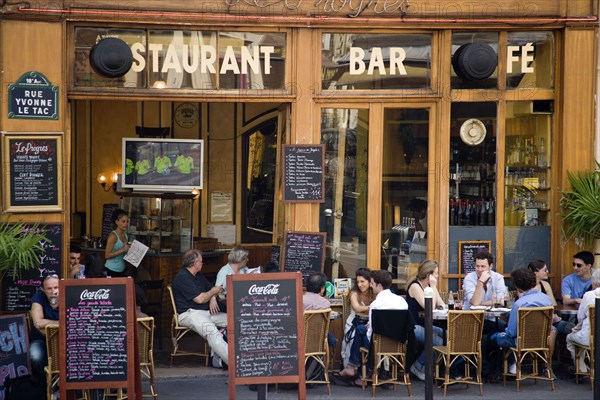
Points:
[[51, 276], [578, 265]]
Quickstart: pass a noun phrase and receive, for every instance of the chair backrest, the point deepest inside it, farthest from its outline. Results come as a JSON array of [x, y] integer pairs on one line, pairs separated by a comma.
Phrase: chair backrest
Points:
[[533, 327], [52, 340], [391, 330], [175, 315], [145, 335], [444, 296], [592, 318], [346, 307], [464, 331], [316, 327]]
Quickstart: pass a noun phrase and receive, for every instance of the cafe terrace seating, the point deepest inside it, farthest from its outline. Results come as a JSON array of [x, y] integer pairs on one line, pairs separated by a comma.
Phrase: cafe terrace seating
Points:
[[178, 332], [145, 335], [533, 336], [587, 350], [316, 326], [386, 349], [52, 369], [464, 342]]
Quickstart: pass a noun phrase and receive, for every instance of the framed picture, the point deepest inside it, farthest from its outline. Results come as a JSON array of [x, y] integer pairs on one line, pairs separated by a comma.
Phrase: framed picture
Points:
[[32, 168]]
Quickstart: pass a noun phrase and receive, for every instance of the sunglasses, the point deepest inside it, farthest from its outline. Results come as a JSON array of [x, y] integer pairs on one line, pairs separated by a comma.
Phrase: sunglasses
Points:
[[578, 265], [51, 276]]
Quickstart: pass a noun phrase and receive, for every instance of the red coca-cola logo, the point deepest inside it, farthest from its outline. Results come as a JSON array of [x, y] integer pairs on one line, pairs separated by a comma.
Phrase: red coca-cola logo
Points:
[[100, 294], [271, 288]]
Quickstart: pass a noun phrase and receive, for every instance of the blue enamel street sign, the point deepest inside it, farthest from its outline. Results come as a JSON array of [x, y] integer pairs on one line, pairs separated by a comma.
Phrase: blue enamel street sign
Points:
[[32, 97]]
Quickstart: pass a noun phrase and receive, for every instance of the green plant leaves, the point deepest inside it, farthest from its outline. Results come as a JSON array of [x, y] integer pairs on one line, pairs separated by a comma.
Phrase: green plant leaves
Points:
[[20, 246]]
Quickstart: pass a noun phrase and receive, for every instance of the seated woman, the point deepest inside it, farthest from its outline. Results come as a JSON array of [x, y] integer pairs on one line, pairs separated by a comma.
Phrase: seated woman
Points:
[[355, 330], [540, 270], [427, 276]]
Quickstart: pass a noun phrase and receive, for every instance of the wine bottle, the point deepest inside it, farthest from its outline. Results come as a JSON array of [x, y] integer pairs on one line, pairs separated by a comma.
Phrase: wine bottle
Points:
[[542, 155], [452, 212], [491, 218]]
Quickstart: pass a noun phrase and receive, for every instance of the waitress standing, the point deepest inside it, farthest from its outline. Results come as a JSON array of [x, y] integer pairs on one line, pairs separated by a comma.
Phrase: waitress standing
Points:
[[117, 246]]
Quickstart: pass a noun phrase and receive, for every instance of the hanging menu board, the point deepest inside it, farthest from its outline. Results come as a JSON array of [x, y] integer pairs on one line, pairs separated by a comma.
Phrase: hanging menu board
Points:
[[33, 177], [304, 252], [467, 250], [18, 291], [14, 352], [98, 335], [107, 224], [303, 178], [265, 330]]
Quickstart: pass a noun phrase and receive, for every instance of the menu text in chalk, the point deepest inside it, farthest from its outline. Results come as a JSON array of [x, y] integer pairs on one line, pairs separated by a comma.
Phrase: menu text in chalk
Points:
[[467, 250], [303, 178], [304, 252]]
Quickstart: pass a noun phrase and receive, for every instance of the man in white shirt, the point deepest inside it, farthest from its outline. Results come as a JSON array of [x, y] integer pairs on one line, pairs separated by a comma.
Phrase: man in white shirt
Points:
[[381, 281], [480, 286]]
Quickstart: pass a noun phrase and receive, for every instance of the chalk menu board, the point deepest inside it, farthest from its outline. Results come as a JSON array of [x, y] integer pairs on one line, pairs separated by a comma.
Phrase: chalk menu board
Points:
[[304, 252], [18, 291], [303, 178], [467, 250], [14, 353], [265, 329], [99, 333], [34, 172], [107, 225], [276, 254]]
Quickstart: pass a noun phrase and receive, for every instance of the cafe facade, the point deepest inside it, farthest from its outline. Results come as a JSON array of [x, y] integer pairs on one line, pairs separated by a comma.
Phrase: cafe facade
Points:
[[444, 127]]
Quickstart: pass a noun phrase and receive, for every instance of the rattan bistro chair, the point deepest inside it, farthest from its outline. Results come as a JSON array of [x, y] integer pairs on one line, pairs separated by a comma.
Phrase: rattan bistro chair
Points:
[[178, 332], [52, 369], [145, 335], [587, 350], [316, 327], [533, 335], [464, 342]]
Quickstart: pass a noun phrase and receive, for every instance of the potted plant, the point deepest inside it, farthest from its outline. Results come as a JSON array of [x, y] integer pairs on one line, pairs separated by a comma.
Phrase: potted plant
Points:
[[580, 209], [21, 245]]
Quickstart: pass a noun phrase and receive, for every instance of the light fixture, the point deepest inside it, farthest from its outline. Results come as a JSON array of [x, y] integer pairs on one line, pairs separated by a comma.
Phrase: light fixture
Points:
[[196, 193], [159, 84], [103, 180]]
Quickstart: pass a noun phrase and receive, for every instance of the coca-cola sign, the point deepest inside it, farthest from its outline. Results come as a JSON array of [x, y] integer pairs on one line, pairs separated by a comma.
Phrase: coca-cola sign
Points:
[[100, 294], [271, 288]]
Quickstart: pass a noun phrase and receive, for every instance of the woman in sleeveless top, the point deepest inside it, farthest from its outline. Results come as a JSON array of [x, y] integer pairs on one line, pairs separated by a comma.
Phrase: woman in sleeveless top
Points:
[[117, 245], [355, 331], [427, 276], [540, 270]]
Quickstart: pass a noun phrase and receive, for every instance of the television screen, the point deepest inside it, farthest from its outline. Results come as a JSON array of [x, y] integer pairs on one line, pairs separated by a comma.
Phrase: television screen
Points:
[[167, 165]]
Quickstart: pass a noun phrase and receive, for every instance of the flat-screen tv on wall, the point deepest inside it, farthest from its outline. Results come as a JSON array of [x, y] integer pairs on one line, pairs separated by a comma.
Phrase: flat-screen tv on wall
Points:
[[166, 165]]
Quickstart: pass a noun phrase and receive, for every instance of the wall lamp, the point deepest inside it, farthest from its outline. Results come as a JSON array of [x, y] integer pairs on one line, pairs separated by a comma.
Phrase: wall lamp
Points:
[[103, 180]]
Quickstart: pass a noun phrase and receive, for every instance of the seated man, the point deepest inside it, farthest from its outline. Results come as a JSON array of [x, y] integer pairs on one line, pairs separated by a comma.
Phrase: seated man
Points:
[[76, 270], [524, 281], [574, 285], [313, 297], [44, 311], [236, 264], [196, 303]]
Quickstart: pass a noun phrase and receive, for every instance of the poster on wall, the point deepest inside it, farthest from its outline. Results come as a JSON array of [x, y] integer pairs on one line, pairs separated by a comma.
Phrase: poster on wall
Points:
[[32, 166], [33, 97]]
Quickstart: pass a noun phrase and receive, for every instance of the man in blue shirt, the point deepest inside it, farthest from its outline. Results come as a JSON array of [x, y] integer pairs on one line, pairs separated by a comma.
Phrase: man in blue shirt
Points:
[[574, 285], [44, 311]]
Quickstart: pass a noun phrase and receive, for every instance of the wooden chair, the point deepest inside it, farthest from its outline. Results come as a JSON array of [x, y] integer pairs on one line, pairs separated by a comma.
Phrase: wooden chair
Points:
[[178, 332], [465, 329], [316, 327], [52, 369], [588, 351], [153, 290], [387, 350], [533, 336]]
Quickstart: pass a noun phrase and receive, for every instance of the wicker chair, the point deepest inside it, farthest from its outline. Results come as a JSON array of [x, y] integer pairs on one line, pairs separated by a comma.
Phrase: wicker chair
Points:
[[178, 332], [386, 349], [316, 327], [464, 342], [146, 349], [52, 369], [533, 335], [587, 350]]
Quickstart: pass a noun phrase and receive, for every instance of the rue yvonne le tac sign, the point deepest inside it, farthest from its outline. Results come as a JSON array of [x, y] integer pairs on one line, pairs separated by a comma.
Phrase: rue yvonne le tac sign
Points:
[[32, 97]]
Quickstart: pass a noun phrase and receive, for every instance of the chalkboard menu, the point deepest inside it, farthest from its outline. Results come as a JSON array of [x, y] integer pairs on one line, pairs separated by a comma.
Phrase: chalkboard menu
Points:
[[276, 254], [303, 178], [34, 172], [304, 252], [107, 224], [467, 250], [98, 333], [14, 352], [265, 329], [18, 291]]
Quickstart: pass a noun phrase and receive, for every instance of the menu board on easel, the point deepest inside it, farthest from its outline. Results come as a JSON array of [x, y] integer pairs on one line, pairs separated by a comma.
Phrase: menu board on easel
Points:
[[467, 250], [32, 179], [304, 252], [14, 352], [17, 291], [303, 178], [265, 330], [99, 339]]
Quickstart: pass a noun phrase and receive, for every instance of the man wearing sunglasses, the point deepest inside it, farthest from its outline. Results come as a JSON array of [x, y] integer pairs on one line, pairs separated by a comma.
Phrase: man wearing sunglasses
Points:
[[44, 311], [580, 281]]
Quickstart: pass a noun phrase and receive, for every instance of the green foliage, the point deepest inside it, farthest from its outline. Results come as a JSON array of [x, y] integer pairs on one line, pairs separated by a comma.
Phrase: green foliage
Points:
[[580, 207], [20, 247]]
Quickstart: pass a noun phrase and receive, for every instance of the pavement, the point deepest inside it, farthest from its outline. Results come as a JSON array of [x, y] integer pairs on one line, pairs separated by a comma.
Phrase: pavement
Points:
[[189, 379]]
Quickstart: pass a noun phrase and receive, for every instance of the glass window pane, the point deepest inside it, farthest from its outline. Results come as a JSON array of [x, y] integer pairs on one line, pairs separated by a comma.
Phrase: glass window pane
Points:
[[527, 184], [530, 61], [404, 196], [86, 38], [344, 213], [375, 61], [251, 60], [474, 60]]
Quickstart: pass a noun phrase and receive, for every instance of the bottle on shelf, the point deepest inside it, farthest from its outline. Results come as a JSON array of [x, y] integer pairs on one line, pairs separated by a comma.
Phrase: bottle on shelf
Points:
[[541, 161], [450, 301], [491, 214], [452, 212]]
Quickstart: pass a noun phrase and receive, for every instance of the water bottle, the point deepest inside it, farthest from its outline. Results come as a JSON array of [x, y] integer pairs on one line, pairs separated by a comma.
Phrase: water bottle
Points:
[[450, 301]]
